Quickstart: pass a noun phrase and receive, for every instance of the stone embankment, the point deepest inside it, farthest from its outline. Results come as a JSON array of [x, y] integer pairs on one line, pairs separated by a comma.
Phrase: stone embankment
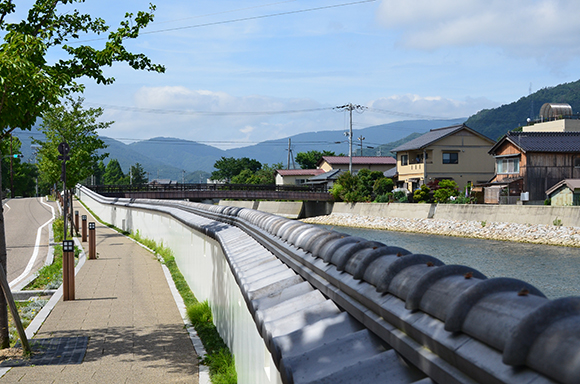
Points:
[[527, 233]]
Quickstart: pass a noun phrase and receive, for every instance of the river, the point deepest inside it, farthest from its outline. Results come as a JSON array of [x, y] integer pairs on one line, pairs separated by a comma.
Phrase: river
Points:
[[553, 270]]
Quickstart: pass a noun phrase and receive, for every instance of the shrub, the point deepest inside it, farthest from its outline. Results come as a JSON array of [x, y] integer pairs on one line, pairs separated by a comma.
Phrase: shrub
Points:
[[400, 195], [447, 188], [422, 195]]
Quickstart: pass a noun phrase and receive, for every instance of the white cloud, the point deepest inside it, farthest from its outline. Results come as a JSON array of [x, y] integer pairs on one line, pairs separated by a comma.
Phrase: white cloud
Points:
[[533, 28], [171, 112]]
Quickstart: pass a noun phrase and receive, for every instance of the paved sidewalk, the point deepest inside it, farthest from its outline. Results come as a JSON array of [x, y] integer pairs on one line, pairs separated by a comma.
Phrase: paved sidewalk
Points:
[[125, 307]]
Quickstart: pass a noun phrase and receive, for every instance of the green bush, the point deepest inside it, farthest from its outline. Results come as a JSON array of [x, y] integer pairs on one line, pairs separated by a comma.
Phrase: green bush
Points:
[[386, 198], [400, 196], [447, 188], [422, 195]]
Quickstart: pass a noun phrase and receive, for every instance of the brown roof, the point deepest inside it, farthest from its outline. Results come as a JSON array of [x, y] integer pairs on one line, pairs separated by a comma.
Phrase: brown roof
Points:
[[300, 172], [374, 160], [570, 183]]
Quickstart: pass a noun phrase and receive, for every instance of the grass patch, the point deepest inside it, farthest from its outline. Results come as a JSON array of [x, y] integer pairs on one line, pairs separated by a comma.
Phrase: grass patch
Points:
[[219, 358]]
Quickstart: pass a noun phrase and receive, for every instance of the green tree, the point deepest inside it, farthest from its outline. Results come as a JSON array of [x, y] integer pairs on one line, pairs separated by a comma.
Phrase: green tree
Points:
[[23, 174], [422, 195], [447, 188], [309, 160], [228, 167], [113, 173], [30, 84], [383, 185], [138, 174], [366, 182], [71, 123]]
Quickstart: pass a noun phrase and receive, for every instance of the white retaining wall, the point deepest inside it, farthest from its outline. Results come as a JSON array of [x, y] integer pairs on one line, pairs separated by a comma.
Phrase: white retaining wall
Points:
[[204, 266], [521, 214]]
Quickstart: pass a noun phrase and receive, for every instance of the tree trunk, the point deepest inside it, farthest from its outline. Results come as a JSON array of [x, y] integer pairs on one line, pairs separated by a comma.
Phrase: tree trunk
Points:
[[4, 335]]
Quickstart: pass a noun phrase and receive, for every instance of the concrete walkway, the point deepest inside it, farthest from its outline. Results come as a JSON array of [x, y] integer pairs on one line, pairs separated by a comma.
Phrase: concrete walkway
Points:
[[125, 307]]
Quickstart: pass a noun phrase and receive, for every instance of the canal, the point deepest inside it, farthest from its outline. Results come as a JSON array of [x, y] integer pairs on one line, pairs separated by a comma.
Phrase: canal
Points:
[[553, 270]]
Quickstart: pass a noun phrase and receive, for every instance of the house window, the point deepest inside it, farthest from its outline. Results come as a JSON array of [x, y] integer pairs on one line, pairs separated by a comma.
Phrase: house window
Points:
[[450, 158], [404, 159], [508, 165], [577, 162]]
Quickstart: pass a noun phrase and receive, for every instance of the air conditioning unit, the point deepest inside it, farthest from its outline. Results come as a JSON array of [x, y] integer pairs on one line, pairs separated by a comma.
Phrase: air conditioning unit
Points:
[[525, 196]]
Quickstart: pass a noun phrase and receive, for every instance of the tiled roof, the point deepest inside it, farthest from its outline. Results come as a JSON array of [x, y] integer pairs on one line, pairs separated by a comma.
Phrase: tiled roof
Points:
[[543, 141], [358, 160], [428, 138], [330, 175], [300, 172], [573, 184], [435, 135]]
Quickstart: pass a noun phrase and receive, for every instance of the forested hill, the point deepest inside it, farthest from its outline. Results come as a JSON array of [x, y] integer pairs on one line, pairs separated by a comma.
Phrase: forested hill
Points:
[[494, 123]]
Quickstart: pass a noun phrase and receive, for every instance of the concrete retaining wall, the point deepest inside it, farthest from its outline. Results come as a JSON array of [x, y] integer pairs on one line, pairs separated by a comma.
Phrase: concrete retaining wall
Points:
[[521, 214], [406, 211]]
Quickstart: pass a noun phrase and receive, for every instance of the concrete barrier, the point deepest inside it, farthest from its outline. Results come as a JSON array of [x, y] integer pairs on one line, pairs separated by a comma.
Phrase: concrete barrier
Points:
[[406, 211], [287, 209], [520, 214], [239, 203]]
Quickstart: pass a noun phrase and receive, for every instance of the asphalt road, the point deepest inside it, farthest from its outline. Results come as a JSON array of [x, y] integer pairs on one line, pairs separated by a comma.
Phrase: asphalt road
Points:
[[23, 218]]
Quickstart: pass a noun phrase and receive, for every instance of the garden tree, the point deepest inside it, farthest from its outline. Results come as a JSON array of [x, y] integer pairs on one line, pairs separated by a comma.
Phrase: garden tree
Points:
[[366, 182], [113, 173], [138, 174], [383, 185], [77, 126], [346, 188], [228, 167], [422, 195], [264, 175], [30, 85], [447, 188], [309, 160]]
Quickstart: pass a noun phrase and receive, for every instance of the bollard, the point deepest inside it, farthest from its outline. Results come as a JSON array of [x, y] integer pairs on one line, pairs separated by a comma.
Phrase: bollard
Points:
[[68, 270], [84, 229], [92, 242], [77, 221]]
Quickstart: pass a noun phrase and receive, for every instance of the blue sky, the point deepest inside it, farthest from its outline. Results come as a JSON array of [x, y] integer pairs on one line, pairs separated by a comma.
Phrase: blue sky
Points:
[[408, 59]]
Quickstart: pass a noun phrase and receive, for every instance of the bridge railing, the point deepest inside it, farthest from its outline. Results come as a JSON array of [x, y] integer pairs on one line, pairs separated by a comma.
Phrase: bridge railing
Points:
[[112, 189]]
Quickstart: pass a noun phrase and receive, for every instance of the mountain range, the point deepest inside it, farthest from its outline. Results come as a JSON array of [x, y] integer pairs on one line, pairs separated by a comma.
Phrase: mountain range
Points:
[[177, 159]]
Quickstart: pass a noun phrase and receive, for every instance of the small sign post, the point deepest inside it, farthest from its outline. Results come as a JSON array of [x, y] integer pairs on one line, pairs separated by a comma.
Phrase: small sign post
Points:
[[68, 270], [84, 229], [92, 242]]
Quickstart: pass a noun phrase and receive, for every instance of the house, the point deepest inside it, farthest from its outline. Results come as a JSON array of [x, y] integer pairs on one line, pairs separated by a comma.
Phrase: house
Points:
[[373, 163], [325, 179], [566, 192], [534, 162], [457, 152], [295, 176]]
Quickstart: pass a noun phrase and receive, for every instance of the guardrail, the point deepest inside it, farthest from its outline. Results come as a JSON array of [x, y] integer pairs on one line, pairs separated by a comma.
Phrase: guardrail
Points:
[[449, 323]]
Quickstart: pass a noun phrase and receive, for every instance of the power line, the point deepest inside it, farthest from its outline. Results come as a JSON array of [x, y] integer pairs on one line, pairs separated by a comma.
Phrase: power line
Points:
[[238, 20], [208, 113]]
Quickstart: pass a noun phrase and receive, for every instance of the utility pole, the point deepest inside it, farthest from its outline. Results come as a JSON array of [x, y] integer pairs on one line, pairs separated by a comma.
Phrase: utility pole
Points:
[[350, 107], [361, 144], [289, 152]]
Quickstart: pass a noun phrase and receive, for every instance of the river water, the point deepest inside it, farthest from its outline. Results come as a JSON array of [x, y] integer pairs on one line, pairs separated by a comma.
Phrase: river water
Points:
[[553, 270]]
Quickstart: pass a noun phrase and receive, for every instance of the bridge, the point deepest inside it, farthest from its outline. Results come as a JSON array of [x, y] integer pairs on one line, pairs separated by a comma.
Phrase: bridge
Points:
[[300, 304], [213, 192]]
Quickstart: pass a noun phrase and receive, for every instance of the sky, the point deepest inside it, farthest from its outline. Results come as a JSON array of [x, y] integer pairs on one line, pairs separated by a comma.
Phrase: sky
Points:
[[245, 71]]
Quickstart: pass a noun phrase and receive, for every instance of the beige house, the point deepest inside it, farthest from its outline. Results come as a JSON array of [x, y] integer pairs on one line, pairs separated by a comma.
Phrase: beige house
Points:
[[457, 152], [295, 176], [373, 163]]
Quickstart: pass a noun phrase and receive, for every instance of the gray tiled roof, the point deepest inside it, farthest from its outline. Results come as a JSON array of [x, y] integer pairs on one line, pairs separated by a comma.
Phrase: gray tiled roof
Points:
[[428, 138], [544, 141], [330, 175]]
